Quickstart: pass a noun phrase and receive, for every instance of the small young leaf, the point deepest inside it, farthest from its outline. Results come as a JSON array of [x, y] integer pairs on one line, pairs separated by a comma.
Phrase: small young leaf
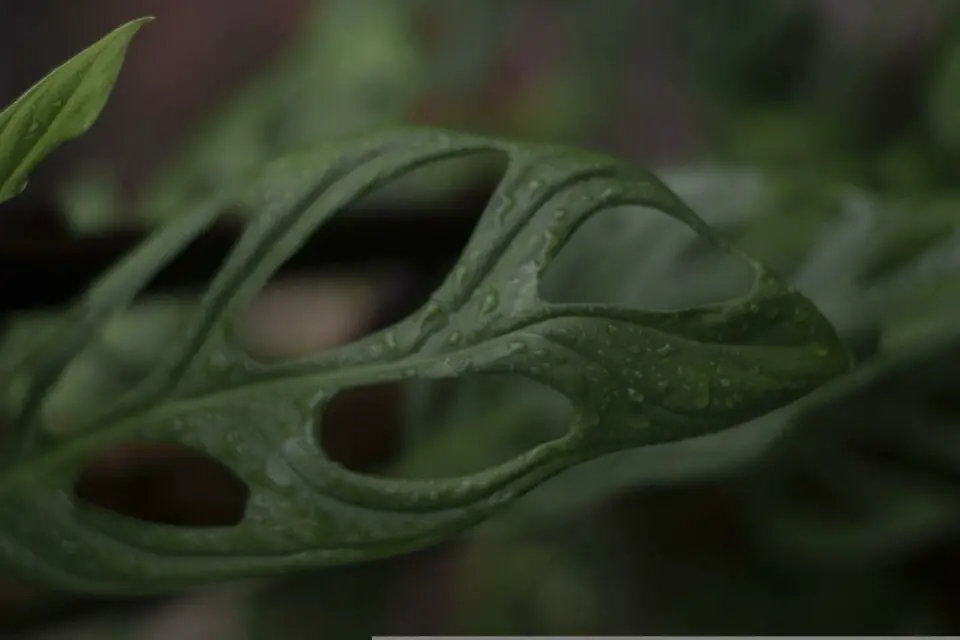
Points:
[[633, 377], [59, 108]]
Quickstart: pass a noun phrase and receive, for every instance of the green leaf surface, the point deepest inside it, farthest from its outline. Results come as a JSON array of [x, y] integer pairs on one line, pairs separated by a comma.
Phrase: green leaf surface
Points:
[[633, 377], [912, 302], [60, 107]]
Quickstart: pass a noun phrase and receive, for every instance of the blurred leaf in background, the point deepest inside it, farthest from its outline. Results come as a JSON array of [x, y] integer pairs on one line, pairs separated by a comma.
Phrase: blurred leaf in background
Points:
[[355, 65]]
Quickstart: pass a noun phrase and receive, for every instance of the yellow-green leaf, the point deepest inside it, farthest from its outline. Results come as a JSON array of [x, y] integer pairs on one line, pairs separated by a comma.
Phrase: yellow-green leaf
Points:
[[62, 106]]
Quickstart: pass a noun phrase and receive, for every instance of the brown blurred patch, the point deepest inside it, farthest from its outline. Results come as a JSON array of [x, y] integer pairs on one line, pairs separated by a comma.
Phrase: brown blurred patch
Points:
[[165, 483]]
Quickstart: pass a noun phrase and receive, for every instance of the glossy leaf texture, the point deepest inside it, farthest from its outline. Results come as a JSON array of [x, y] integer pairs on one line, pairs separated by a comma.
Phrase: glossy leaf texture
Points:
[[843, 248], [634, 377], [62, 106]]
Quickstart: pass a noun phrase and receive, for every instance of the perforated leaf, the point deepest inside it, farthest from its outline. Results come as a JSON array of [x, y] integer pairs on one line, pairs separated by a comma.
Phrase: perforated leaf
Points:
[[850, 233], [634, 377]]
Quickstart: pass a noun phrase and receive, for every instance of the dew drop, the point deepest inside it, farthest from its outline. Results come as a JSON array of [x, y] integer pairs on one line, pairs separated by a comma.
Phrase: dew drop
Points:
[[390, 340], [664, 349], [550, 239], [219, 361], [535, 185], [278, 472], [662, 385], [454, 338], [518, 346], [724, 382], [635, 395], [431, 313], [490, 302], [701, 397], [506, 208]]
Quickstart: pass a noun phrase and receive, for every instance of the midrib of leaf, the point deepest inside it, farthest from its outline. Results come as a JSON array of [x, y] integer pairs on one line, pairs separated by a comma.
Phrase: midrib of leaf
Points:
[[97, 434], [35, 148]]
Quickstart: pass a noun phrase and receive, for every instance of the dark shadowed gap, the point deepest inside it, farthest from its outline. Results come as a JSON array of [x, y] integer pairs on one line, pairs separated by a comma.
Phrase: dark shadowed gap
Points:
[[362, 428], [458, 426], [422, 229], [640, 258], [163, 483]]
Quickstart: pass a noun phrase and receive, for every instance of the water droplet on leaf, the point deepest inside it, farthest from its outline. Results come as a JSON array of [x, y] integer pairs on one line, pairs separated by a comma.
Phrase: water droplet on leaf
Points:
[[490, 302], [390, 340]]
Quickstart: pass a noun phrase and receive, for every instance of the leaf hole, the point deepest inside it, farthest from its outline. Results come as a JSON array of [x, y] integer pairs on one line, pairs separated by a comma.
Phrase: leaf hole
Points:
[[361, 428], [311, 312], [445, 427], [641, 258], [373, 263], [163, 483]]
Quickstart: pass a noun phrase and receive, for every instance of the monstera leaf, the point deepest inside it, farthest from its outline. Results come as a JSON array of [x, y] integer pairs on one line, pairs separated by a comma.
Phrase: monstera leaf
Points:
[[633, 377], [845, 250], [60, 107]]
